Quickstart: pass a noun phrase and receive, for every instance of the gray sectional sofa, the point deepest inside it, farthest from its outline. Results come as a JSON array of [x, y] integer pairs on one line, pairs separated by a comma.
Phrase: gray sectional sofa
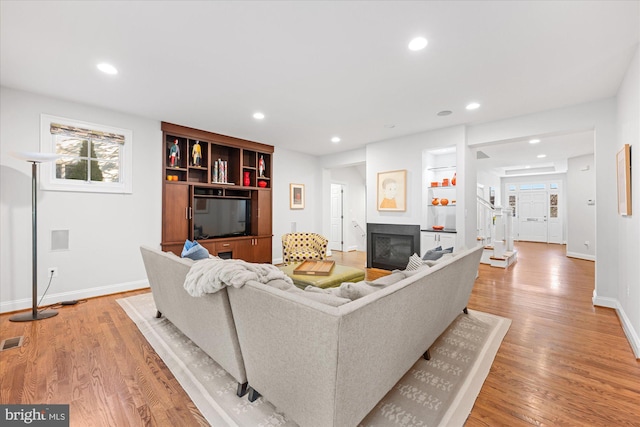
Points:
[[329, 365], [207, 320]]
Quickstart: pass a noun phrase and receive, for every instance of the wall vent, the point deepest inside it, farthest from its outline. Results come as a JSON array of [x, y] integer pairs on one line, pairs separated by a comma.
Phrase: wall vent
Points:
[[10, 343], [59, 240]]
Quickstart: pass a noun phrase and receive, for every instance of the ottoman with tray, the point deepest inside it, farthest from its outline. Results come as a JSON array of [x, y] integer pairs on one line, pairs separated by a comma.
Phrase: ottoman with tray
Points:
[[319, 276]]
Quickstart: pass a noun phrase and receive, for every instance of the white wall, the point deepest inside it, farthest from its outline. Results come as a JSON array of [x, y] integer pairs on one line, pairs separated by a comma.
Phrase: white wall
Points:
[[292, 167], [406, 153], [491, 180], [105, 230], [581, 187], [626, 231], [354, 205]]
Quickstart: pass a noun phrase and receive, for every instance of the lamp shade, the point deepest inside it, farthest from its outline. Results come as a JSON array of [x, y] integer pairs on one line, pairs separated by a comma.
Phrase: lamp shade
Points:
[[35, 157]]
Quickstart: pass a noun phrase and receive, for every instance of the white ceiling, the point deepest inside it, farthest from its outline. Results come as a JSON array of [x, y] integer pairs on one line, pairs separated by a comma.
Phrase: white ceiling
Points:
[[321, 69], [521, 157]]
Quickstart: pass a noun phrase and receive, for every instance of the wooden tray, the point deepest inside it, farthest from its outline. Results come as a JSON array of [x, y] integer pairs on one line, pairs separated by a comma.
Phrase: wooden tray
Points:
[[315, 268]]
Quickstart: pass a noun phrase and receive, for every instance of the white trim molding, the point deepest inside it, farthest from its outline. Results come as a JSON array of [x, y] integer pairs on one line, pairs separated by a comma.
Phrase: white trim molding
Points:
[[99, 291], [627, 327], [581, 256]]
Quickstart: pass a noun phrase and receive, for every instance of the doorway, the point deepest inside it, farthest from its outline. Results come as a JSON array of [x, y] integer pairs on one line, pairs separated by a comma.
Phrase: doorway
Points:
[[336, 235], [538, 211]]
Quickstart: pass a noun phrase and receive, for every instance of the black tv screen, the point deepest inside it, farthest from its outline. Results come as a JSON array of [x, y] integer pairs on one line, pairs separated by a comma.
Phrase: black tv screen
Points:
[[221, 217]]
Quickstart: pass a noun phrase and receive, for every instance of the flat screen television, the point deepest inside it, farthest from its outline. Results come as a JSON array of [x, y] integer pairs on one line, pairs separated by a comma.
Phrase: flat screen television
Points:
[[214, 217]]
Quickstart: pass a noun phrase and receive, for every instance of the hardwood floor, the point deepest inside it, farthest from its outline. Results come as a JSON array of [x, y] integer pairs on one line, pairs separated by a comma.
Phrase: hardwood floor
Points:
[[562, 363]]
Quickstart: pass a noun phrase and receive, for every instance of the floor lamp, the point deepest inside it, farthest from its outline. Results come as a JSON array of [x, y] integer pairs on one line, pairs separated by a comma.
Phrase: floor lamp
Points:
[[34, 159]]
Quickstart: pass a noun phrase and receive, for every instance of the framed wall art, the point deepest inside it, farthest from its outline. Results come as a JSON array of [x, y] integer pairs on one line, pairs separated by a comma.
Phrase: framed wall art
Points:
[[623, 169], [392, 191], [296, 196]]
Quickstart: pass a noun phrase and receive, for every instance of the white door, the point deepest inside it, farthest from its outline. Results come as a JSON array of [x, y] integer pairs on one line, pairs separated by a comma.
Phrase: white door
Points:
[[532, 216], [335, 239]]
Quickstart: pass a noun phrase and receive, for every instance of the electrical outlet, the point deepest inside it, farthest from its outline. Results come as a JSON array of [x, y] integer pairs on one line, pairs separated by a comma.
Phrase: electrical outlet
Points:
[[52, 272]]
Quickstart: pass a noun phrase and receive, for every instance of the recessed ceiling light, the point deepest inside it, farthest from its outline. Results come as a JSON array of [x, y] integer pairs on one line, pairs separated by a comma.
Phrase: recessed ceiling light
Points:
[[258, 116], [542, 156], [418, 43], [107, 68], [472, 106], [534, 141], [445, 112], [527, 167], [335, 139]]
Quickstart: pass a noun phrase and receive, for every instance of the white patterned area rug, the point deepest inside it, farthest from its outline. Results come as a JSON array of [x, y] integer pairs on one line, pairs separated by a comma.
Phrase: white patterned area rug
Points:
[[437, 392]]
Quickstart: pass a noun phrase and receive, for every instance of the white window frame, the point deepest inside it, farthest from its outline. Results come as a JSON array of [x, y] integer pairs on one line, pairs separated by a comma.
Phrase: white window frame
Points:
[[48, 180]]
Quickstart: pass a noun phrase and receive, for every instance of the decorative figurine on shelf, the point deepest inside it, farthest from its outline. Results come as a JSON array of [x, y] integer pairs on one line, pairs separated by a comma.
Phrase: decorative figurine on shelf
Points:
[[196, 153], [174, 154], [261, 166]]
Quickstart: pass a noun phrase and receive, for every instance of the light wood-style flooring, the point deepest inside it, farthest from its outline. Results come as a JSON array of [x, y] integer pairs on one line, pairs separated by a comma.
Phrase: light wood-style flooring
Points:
[[562, 363]]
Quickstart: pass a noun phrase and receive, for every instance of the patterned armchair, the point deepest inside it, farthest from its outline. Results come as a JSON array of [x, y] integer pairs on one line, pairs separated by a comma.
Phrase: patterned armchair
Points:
[[303, 246]]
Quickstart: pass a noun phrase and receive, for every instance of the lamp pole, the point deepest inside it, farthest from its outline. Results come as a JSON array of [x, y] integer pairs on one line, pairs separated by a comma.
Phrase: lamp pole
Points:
[[44, 314]]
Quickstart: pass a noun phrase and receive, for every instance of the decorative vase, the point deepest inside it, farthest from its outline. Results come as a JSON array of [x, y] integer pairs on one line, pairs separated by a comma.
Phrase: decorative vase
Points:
[[247, 179], [445, 182], [262, 184], [435, 201], [444, 202], [453, 180]]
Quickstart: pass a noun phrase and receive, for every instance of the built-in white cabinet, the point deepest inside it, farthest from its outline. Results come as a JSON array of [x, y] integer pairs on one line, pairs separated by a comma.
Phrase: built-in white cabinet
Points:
[[433, 239]]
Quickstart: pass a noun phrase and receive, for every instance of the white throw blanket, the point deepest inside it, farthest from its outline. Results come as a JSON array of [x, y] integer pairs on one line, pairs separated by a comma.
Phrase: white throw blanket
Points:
[[210, 275]]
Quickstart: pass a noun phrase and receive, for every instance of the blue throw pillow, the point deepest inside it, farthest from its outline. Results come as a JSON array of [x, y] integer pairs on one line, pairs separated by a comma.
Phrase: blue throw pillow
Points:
[[194, 251], [428, 256], [436, 253]]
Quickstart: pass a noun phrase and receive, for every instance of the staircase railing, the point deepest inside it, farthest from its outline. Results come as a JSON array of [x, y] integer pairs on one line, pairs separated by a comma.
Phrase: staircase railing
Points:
[[486, 226]]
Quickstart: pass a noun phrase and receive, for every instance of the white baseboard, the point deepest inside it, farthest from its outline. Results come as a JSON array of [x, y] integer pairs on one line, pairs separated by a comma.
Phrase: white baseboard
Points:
[[604, 301], [24, 303], [581, 256], [627, 327], [276, 261], [352, 248], [629, 331]]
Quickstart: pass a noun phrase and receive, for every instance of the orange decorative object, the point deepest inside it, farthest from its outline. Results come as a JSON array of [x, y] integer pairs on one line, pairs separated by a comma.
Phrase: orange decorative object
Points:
[[444, 202], [435, 201], [453, 180], [445, 182], [262, 184], [435, 183], [438, 227]]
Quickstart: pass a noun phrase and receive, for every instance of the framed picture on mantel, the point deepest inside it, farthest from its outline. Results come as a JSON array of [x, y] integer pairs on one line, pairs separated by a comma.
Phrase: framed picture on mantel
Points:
[[623, 169]]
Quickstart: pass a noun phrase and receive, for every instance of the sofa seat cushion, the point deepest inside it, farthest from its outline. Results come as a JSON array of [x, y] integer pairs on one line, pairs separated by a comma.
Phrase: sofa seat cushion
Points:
[[333, 300], [302, 255], [356, 290], [390, 279]]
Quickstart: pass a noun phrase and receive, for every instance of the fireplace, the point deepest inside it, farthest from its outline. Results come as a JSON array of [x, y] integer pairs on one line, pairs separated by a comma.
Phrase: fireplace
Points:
[[389, 246]]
